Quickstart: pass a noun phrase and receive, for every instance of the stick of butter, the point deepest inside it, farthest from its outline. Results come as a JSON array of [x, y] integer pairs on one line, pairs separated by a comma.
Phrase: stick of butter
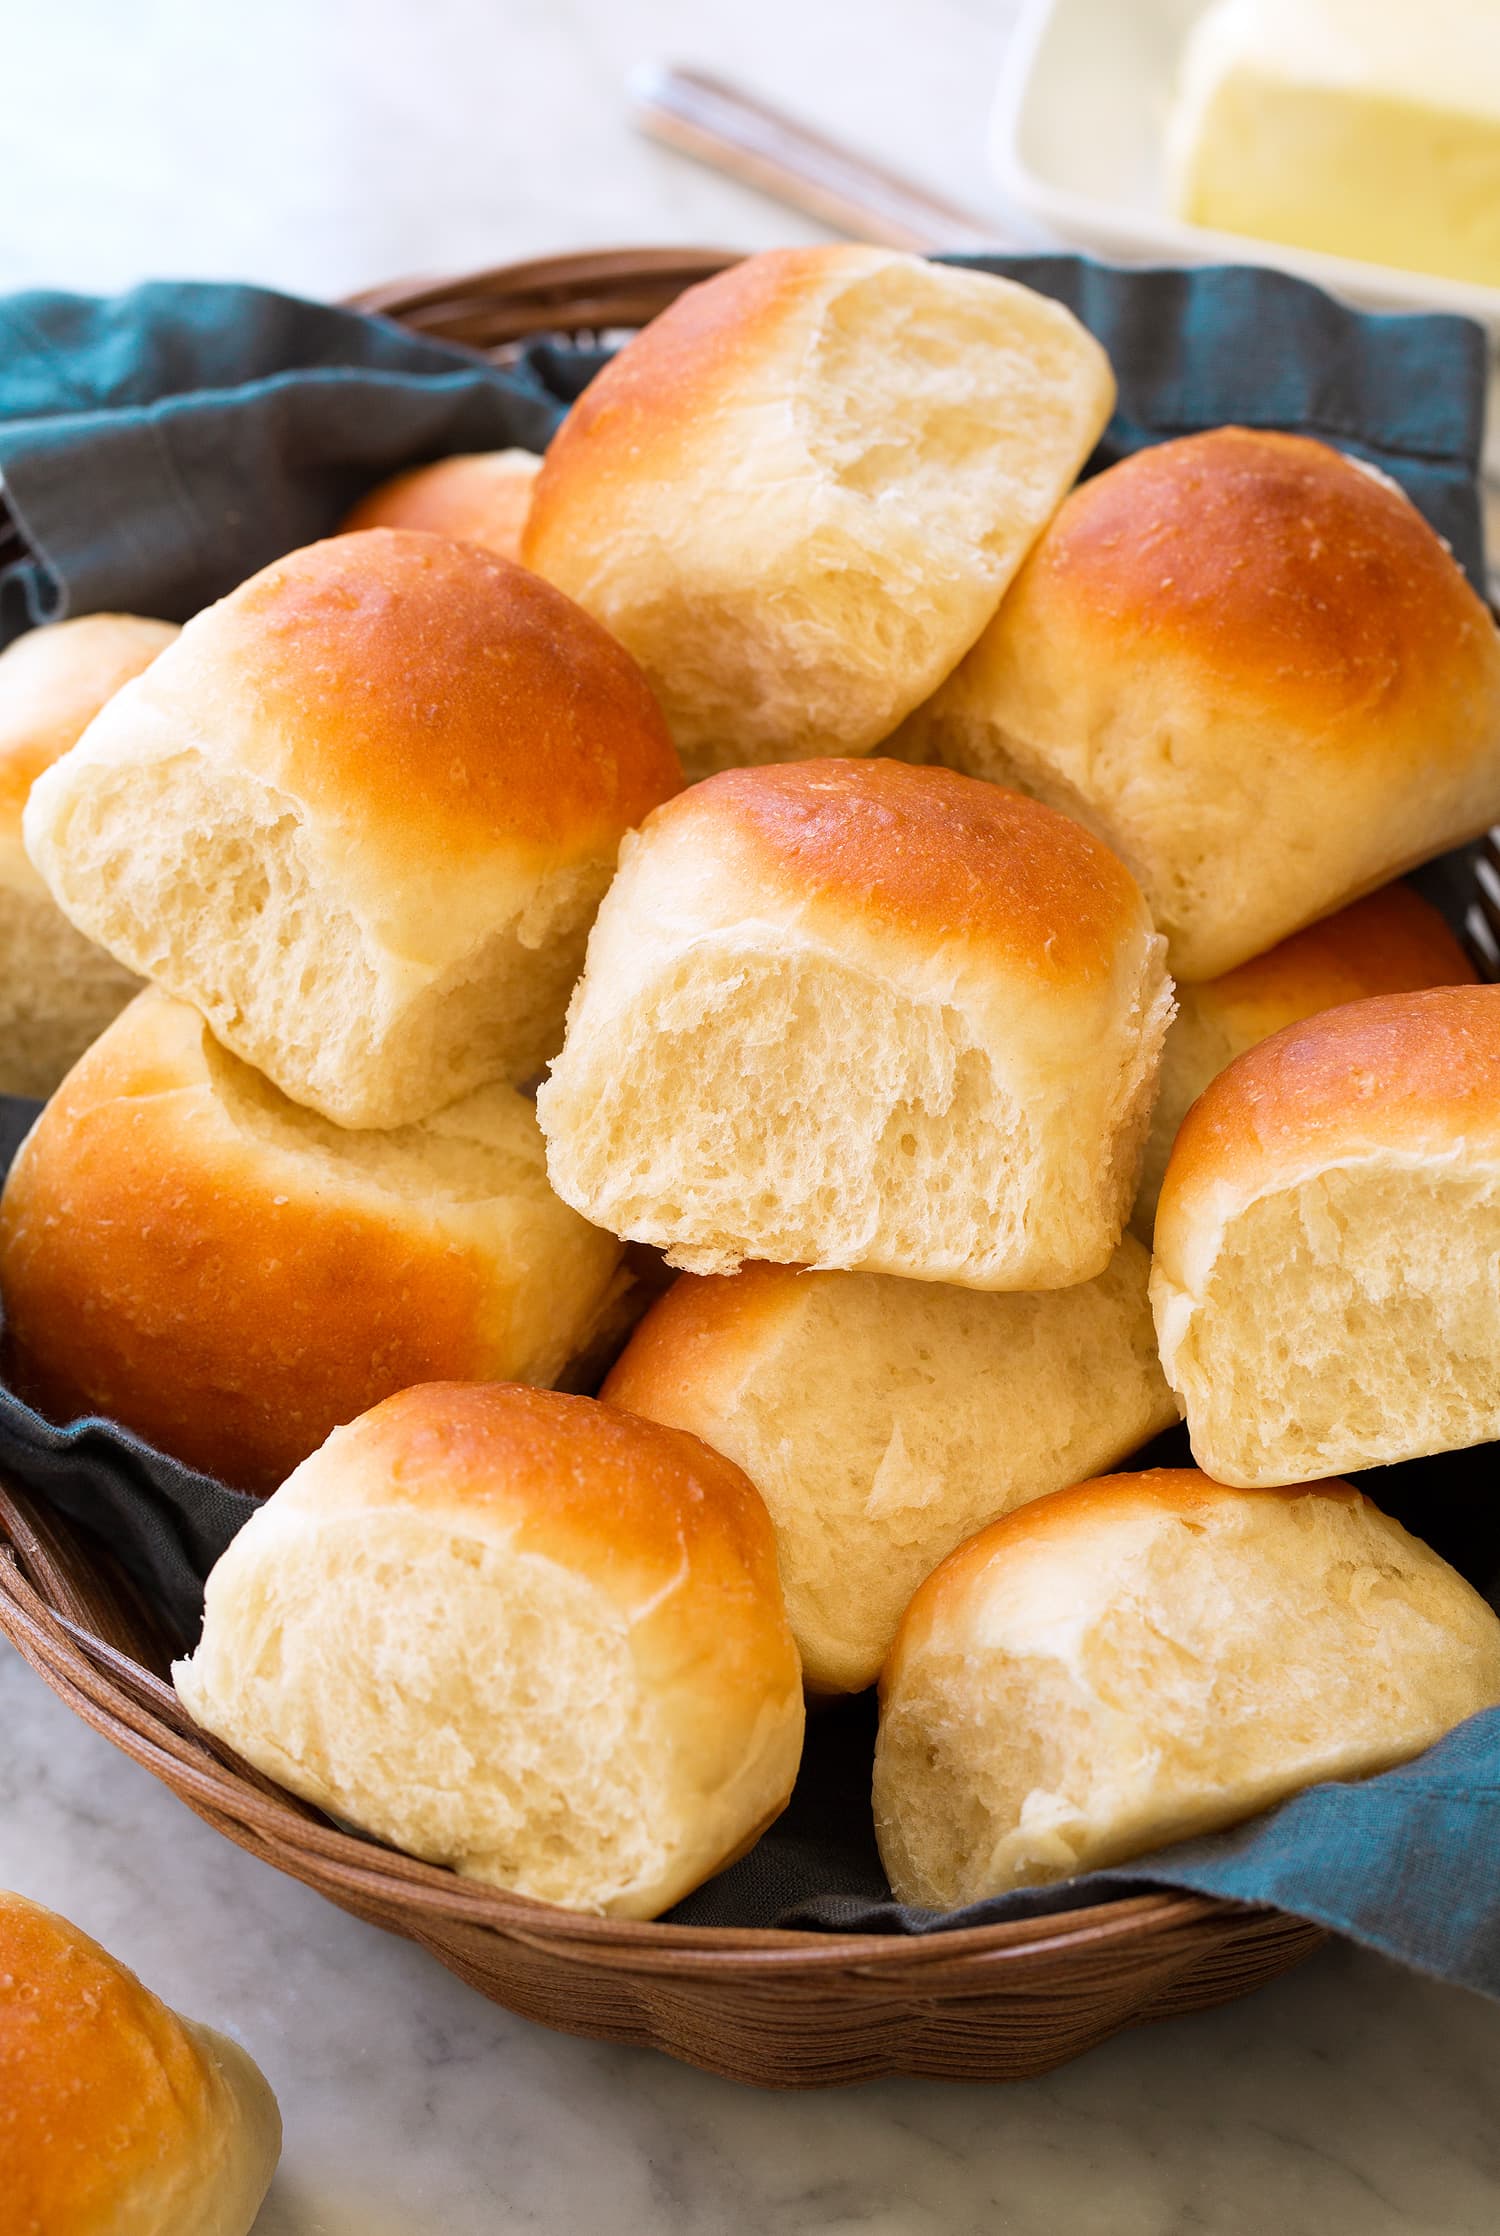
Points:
[[1365, 128]]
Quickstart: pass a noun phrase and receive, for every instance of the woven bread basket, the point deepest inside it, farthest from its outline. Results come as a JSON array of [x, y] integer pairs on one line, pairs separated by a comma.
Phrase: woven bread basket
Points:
[[783, 2010]]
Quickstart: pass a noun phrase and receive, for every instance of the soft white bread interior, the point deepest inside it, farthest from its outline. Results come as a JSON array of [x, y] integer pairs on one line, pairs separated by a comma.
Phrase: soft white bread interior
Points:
[[1148, 1657], [798, 494], [862, 1016], [117, 2117], [1326, 1243], [518, 1633], [184, 1250], [1392, 942], [885, 1421], [481, 497], [1249, 664], [58, 990], [360, 815]]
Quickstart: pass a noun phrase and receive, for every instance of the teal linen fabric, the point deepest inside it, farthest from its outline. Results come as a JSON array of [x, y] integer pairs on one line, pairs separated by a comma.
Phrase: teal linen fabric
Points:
[[160, 446]]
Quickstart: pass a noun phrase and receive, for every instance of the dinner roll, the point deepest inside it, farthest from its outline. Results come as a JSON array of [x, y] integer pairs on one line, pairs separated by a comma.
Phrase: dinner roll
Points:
[[1392, 942], [185, 1251], [360, 814], [117, 2117], [519, 1633], [853, 1014], [884, 1421], [1326, 1243], [57, 990], [481, 498], [798, 494], [1148, 1657], [1247, 662]]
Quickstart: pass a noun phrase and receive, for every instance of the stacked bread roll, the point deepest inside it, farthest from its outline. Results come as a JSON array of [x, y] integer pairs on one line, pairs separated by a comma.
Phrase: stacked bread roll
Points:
[[352, 826], [482, 497], [1150, 1656], [57, 989], [870, 1038], [1392, 942], [118, 2117], [799, 495]]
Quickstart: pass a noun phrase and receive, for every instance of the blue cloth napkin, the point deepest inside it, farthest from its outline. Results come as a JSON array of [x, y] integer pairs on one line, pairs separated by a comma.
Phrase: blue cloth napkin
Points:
[[157, 448], [160, 446]]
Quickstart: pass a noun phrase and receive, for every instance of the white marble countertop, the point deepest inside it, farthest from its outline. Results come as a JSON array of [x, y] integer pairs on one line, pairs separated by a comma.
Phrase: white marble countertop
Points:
[[1347, 2099], [323, 145]]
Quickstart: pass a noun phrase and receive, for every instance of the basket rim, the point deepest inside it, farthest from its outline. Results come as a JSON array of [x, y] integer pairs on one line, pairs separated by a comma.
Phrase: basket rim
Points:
[[552, 275], [138, 1713], [61, 1591]]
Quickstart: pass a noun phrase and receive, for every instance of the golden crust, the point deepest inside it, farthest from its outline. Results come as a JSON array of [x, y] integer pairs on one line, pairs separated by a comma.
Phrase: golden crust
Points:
[[53, 682], [435, 692], [884, 440], [1392, 942], [465, 1567], [672, 373], [481, 497], [1252, 667], [568, 1478], [1278, 567], [101, 2085], [1417, 1071], [693, 1341], [229, 1300], [926, 853], [1050, 1520]]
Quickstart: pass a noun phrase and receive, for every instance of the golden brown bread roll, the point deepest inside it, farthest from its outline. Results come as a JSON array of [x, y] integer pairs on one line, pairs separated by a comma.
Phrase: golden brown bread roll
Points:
[[868, 1017], [185, 1251], [360, 815], [1326, 1242], [884, 1421], [798, 495], [117, 2117], [519, 1633], [482, 497], [1148, 1657], [57, 990], [1247, 662], [1392, 942]]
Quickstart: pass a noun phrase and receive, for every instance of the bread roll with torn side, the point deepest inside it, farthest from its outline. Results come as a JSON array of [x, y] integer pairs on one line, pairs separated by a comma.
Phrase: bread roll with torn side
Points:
[[884, 1421], [521, 1634], [798, 494], [856, 1015], [57, 990], [1248, 663], [482, 497], [360, 815], [1393, 942], [117, 2117], [1149, 1657], [1326, 1241], [185, 1251]]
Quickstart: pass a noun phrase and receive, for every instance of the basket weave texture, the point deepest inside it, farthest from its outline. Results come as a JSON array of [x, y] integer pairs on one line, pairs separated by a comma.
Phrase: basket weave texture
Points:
[[782, 2010]]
